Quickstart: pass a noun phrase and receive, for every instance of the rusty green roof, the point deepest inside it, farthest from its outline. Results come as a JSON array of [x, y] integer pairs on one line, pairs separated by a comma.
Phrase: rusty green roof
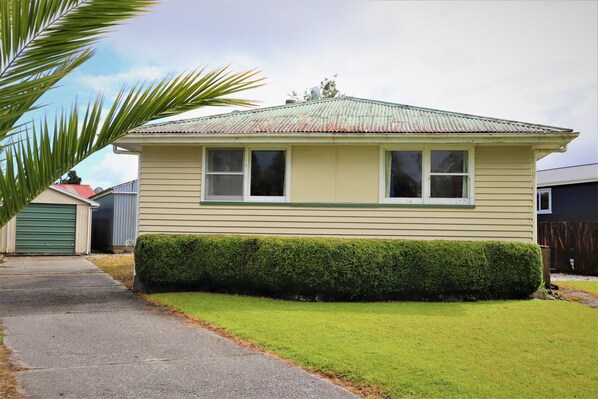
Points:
[[344, 115]]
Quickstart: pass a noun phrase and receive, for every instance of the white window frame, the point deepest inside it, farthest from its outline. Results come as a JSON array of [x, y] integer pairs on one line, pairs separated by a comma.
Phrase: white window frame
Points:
[[426, 174], [544, 211], [205, 173], [247, 173]]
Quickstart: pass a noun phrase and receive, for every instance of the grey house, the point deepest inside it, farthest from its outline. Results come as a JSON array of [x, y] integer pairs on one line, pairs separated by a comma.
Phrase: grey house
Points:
[[114, 224]]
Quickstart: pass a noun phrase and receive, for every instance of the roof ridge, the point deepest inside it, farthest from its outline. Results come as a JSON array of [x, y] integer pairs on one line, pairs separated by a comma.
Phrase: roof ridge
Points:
[[391, 105], [245, 111]]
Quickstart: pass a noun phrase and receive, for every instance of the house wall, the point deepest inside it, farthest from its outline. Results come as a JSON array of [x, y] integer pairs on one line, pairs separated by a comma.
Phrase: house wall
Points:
[[170, 184], [334, 174], [8, 233], [573, 203]]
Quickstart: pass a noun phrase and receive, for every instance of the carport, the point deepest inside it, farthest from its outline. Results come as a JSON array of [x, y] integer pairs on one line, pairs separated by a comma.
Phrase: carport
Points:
[[56, 222]]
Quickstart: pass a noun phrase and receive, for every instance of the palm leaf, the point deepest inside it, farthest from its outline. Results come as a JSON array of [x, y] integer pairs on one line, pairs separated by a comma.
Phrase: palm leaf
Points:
[[41, 41], [44, 40], [54, 148]]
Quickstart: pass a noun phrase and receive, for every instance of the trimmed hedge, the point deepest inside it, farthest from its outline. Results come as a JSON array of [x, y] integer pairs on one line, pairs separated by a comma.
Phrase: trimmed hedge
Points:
[[339, 269]]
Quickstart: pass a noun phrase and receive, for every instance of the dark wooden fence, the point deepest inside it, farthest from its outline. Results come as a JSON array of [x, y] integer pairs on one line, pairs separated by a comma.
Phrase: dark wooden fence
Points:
[[577, 241]]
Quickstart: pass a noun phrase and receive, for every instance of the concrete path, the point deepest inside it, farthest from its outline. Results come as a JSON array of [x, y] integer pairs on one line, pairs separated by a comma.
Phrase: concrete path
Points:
[[77, 333]]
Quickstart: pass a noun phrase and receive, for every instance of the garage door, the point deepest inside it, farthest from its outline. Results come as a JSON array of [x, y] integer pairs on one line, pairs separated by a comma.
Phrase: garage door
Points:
[[46, 229]]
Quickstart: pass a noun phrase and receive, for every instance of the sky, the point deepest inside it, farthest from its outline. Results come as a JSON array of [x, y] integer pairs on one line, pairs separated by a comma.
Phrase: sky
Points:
[[528, 61]]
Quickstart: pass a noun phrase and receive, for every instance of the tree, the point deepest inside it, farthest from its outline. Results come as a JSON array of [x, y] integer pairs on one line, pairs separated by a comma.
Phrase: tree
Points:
[[41, 42], [327, 90], [71, 178]]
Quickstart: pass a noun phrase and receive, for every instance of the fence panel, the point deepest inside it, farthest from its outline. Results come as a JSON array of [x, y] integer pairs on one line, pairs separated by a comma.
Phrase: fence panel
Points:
[[576, 241]]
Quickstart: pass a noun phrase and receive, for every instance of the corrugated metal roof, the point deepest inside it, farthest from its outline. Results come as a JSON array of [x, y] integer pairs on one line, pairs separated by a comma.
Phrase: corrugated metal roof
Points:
[[84, 190], [568, 175], [344, 115]]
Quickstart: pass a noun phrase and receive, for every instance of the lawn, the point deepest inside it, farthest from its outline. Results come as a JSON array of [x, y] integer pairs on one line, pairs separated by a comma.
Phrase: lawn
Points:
[[591, 287], [119, 266], [500, 349]]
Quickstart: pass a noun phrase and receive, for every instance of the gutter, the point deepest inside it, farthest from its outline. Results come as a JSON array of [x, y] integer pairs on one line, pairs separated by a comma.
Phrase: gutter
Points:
[[118, 151]]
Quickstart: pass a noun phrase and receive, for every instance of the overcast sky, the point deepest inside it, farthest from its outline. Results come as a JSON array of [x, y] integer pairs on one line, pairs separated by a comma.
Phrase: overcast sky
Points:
[[528, 61]]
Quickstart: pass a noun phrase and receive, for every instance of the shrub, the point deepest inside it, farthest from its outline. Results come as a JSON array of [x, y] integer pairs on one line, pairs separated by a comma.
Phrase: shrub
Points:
[[339, 269]]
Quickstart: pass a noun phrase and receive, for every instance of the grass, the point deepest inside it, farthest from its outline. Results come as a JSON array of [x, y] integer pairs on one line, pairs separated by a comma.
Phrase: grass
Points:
[[119, 266], [8, 383], [590, 287], [506, 349], [500, 349]]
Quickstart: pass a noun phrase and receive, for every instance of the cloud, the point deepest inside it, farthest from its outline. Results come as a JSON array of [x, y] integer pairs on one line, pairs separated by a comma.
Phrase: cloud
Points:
[[111, 169], [110, 84], [530, 61]]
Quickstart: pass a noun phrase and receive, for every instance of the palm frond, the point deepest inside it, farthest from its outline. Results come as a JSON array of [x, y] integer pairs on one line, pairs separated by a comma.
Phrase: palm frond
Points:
[[43, 40], [55, 147]]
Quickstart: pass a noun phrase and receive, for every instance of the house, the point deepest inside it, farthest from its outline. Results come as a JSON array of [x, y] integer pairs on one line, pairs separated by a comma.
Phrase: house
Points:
[[567, 203], [344, 167], [84, 190], [57, 222], [114, 224]]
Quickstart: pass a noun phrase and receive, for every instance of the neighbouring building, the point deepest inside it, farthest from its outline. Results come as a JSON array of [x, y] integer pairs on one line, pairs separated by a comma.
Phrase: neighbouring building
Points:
[[114, 224], [567, 203], [83, 190], [57, 222], [343, 167]]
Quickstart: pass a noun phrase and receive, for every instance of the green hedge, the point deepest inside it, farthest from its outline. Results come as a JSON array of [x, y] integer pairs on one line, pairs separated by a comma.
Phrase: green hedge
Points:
[[339, 269]]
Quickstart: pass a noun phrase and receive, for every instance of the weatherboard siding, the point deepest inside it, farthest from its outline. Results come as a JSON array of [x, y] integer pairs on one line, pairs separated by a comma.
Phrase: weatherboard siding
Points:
[[332, 174], [170, 188]]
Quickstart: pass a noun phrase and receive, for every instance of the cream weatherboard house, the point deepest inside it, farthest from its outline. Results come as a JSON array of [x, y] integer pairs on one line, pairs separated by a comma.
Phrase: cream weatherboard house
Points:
[[345, 167]]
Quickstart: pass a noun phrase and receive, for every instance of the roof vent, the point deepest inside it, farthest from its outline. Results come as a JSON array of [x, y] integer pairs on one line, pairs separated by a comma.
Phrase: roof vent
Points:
[[290, 101], [315, 93]]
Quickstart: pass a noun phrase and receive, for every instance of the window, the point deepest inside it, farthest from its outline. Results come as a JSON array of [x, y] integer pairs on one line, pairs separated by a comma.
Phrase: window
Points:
[[224, 174], [544, 200], [267, 173], [242, 174], [448, 174], [427, 176], [404, 174]]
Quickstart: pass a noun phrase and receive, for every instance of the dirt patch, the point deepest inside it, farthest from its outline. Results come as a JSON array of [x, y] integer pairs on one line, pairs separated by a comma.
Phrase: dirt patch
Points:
[[581, 297], [8, 382], [119, 266]]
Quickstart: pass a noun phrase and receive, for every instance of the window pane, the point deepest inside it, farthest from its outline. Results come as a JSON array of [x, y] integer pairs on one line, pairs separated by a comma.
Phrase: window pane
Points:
[[449, 161], [224, 187], [267, 173], [448, 186], [543, 206], [225, 160], [404, 174]]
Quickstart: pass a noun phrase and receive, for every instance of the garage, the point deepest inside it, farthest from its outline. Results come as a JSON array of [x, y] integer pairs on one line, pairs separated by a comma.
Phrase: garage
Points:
[[46, 229], [58, 222]]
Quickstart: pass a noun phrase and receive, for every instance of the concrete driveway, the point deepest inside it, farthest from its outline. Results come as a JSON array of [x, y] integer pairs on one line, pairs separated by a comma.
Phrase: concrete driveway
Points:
[[77, 333]]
